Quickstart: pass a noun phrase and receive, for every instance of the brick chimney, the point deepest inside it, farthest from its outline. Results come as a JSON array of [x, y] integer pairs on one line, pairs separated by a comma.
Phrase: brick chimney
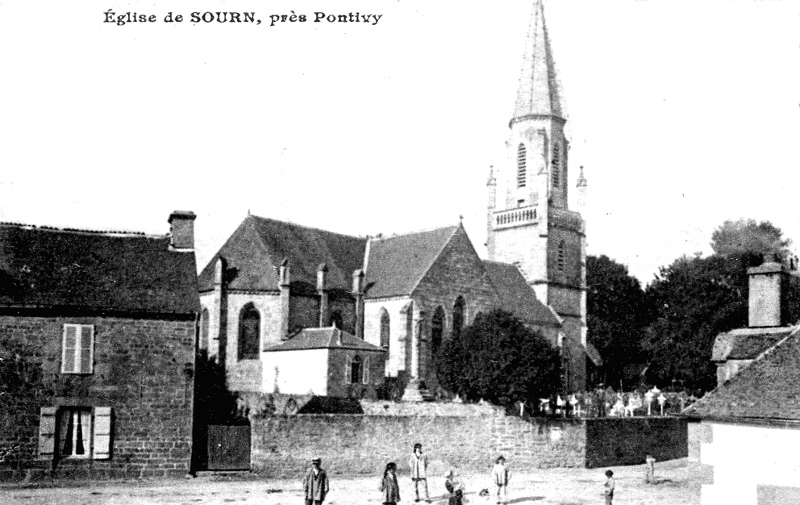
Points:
[[766, 299], [181, 229]]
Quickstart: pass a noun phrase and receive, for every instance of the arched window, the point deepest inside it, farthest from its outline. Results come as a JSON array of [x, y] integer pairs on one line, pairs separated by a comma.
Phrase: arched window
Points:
[[355, 370], [249, 331], [556, 164], [437, 329], [385, 328], [203, 344], [458, 316], [336, 319], [522, 161], [560, 258]]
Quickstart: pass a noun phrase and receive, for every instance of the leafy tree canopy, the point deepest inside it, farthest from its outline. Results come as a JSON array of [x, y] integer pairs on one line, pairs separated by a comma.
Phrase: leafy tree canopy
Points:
[[499, 359], [749, 241], [617, 314]]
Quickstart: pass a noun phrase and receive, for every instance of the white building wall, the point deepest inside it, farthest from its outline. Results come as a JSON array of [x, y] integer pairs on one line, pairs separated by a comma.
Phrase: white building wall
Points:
[[296, 372], [746, 457], [397, 330]]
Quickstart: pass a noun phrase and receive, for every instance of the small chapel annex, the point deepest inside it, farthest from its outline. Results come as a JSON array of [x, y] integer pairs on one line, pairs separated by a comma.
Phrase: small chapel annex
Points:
[[395, 299]]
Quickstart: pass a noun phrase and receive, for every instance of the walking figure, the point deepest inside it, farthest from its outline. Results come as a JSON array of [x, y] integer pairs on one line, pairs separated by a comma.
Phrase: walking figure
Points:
[[389, 486], [419, 466], [315, 484]]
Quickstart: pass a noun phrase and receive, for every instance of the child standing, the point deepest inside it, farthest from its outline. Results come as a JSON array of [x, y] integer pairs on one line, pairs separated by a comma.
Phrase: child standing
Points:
[[650, 461], [389, 486], [453, 487], [500, 478], [609, 487]]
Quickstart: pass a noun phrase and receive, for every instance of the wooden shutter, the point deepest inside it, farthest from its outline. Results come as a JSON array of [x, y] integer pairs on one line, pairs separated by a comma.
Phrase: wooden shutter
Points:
[[47, 432], [69, 348], [365, 374], [101, 439], [86, 349]]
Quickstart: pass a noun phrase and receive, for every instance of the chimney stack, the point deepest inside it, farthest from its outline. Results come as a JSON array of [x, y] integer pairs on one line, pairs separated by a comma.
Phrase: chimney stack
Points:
[[284, 282], [322, 289], [358, 293], [181, 229], [766, 305]]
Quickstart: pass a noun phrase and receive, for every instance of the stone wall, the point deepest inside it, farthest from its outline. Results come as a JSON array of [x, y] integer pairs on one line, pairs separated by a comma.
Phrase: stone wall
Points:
[[143, 371], [282, 446], [627, 440]]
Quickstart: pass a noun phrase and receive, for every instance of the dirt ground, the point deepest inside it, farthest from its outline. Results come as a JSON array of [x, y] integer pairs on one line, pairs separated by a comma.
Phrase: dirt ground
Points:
[[538, 487]]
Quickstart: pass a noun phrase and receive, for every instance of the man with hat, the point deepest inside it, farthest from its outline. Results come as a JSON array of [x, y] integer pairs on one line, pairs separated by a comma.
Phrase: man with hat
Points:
[[500, 479], [315, 484]]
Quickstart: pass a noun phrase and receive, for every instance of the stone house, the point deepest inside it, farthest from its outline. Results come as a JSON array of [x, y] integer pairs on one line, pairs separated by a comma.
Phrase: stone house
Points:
[[749, 426], [102, 328]]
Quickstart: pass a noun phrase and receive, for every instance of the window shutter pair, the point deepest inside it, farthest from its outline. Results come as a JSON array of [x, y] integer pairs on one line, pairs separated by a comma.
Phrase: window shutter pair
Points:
[[101, 439]]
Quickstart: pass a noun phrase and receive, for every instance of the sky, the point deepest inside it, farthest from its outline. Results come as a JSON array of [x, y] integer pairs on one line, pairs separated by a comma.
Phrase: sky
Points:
[[684, 114]]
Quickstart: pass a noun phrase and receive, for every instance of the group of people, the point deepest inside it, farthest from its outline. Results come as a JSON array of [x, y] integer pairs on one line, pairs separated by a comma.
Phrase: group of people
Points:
[[315, 484]]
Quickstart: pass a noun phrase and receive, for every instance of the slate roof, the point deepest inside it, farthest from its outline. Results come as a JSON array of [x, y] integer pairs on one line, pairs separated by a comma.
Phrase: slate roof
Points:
[[107, 271], [747, 343], [768, 389], [517, 296], [324, 338], [256, 249], [395, 265]]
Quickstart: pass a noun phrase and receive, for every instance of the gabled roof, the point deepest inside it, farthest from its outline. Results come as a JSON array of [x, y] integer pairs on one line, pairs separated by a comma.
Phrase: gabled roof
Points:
[[255, 250], [395, 265], [96, 271], [517, 296], [538, 92], [747, 343], [324, 338], [766, 390]]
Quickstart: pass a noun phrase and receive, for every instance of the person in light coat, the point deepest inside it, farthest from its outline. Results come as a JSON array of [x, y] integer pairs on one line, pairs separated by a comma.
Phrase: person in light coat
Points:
[[418, 463], [500, 477]]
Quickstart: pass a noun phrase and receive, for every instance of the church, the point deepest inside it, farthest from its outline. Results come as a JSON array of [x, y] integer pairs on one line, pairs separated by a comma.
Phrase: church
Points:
[[298, 310]]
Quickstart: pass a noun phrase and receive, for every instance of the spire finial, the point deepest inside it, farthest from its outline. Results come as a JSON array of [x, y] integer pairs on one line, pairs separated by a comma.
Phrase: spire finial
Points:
[[581, 179]]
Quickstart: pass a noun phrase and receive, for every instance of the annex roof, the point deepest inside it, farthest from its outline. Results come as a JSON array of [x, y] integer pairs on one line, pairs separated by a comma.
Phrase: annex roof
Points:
[[42, 267], [765, 390], [395, 265], [747, 343], [256, 249], [517, 296], [324, 338]]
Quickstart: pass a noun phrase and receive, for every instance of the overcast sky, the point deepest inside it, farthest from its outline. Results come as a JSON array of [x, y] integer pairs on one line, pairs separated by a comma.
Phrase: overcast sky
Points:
[[684, 113]]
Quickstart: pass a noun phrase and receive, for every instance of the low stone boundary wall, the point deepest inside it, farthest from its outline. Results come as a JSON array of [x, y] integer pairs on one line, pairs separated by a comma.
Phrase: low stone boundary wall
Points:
[[627, 440]]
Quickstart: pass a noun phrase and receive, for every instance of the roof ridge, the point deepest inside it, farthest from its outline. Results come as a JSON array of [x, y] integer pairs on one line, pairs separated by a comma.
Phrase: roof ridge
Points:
[[305, 227], [48, 228], [415, 232]]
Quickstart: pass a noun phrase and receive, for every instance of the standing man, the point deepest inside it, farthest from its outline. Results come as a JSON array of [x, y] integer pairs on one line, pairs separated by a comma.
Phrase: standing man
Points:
[[315, 484], [500, 478], [418, 463]]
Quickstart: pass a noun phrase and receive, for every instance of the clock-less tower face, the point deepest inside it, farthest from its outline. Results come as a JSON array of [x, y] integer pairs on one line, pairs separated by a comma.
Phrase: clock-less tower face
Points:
[[529, 222]]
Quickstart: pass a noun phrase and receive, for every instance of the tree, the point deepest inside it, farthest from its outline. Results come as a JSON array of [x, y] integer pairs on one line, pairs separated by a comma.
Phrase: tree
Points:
[[499, 359], [749, 241], [617, 315]]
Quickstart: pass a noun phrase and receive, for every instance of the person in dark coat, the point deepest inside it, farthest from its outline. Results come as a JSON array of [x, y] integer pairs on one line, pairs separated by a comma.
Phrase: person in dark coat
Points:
[[315, 484], [389, 486], [453, 487]]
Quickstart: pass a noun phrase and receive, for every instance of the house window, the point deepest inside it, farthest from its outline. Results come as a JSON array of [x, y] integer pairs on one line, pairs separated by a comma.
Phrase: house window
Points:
[[521, 166], [458, 316], [437, 330], [357, 370], [249, 331], [560, 258], [78, 349], [75, 432], [556, 166]]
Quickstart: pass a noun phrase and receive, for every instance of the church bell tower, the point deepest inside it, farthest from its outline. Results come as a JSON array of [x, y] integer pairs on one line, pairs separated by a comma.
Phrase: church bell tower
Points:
[[528, 217]]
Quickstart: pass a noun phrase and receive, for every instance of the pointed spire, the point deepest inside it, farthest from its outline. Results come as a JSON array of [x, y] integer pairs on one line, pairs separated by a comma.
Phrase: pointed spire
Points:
[[491, 181], [538, 92], [581, 179]]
